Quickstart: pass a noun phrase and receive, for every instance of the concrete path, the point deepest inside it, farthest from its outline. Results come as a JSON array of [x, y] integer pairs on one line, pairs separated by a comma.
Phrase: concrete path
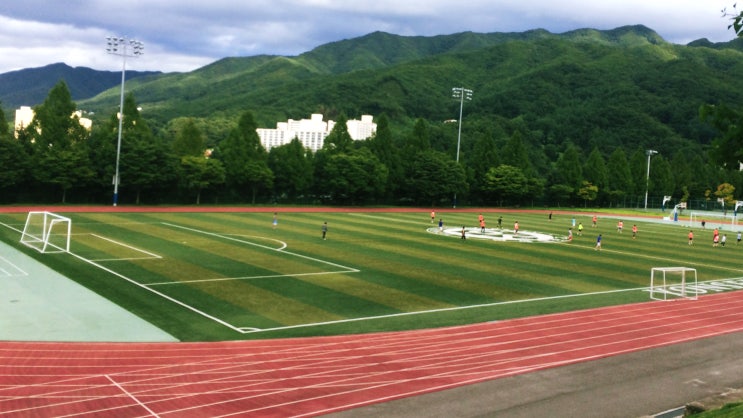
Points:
[[39, 304]]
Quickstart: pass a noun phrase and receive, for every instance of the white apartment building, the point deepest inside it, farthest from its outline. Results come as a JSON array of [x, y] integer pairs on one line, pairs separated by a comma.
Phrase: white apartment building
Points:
[[312, 132]]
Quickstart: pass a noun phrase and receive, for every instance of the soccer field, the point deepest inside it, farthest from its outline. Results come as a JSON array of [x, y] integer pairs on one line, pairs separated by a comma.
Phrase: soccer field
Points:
[[234, 275]]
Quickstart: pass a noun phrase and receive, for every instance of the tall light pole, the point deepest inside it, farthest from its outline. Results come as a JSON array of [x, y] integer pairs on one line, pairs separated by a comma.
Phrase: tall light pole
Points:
[[649, 153], [462, 94], [124, 48]]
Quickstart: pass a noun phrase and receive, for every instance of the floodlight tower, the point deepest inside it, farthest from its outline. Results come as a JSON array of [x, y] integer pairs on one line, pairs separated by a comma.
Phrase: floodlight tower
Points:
[[124, 48], [649, 153], [462, 94]]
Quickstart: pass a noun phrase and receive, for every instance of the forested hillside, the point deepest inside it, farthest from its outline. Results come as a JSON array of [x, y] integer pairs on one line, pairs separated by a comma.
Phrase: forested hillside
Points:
[[554, 120], [29, 87]]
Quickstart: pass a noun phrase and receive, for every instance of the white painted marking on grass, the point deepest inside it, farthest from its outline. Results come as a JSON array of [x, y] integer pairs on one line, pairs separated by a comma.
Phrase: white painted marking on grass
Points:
[[227, 237], [269, 276], [496, 234], [150, 255], [484, 305]]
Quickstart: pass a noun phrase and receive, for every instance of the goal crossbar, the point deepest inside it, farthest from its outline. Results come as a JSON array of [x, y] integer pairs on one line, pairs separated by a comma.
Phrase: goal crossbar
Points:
[[659, 284], [41, 226]]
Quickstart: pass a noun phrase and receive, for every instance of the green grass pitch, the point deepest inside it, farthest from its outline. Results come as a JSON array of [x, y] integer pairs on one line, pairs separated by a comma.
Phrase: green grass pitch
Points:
[[222, 276]]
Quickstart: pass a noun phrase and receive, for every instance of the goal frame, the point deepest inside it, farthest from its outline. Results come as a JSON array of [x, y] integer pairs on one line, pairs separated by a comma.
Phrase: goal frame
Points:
[[665, 287], [41, 243]]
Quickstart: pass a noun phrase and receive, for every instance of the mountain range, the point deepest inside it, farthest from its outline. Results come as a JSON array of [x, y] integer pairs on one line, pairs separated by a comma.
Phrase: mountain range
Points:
[[626, 84]]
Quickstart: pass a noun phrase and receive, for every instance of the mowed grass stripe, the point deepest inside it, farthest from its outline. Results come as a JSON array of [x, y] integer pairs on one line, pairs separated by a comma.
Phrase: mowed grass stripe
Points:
[[237, 292], [479, 256], [224, 256]]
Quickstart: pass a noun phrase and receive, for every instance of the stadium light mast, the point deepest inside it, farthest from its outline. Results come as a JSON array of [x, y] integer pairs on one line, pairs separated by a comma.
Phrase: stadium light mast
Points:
[[124, 48], [649, 153], [462, 94]]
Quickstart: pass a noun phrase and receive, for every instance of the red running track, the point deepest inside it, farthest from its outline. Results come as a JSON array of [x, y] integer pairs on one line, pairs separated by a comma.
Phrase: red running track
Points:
[[314, 376]]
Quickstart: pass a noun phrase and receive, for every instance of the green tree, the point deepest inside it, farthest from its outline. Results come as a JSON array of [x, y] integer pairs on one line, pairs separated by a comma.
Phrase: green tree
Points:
[[596, 173], [382, 144], [568, 174], [199, 173], [189, 140], [434, 176], [354, 177], [618, 176], [13, 158], [516, 155], [244, 158], [726, 192], [506, 183], [418, 140], [339, 140], [59, 155], [588, 192], [292, 167], [145, 162]]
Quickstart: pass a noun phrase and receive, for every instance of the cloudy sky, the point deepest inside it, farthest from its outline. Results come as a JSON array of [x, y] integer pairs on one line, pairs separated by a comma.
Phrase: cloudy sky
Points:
[[182, 35]]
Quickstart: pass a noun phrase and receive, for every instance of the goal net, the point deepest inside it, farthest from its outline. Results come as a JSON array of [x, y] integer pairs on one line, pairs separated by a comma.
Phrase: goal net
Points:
[[673, 283], [47, 232]]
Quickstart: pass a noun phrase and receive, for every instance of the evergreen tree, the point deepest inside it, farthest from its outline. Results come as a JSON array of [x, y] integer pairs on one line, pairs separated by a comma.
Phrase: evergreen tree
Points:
[[339, 140], [382, 145], [59, 155], [244, 158], [595, 172], [292, 167], [189, 141], [619, 176]]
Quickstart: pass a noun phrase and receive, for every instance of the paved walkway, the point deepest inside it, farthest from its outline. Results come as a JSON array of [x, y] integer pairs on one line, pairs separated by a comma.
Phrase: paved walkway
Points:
[[39, 304]]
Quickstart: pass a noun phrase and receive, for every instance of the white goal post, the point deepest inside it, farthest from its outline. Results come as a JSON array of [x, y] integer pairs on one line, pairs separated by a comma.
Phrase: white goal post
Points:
[[671, 282], [47, 232]]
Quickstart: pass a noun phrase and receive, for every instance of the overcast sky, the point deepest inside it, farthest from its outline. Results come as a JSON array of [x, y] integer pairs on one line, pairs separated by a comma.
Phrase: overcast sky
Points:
[[182, 35]]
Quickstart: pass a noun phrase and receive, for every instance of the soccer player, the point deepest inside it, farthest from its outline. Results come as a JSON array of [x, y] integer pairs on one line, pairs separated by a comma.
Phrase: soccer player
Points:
[[620, 226], [516, 228], [595, 219], [634, 231], [691, 237], [433, 215], [580, 228], [324, 229], [464, 232], [570, 234], [441, 226], [598, 243]]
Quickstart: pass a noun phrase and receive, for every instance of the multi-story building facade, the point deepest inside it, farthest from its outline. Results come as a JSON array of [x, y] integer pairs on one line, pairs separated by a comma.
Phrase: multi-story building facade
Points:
[[312, 132]]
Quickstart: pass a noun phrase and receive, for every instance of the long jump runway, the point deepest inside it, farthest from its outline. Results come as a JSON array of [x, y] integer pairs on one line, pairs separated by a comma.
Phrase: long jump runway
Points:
[[315, 376]]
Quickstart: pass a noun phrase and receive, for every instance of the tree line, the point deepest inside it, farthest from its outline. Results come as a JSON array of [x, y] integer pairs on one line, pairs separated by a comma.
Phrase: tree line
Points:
[[503, 162]]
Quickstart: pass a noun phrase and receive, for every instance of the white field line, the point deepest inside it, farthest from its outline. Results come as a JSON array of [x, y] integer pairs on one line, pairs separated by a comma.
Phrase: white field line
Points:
[[483, 305], [227, 237], [269, 276], [150, 255]]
